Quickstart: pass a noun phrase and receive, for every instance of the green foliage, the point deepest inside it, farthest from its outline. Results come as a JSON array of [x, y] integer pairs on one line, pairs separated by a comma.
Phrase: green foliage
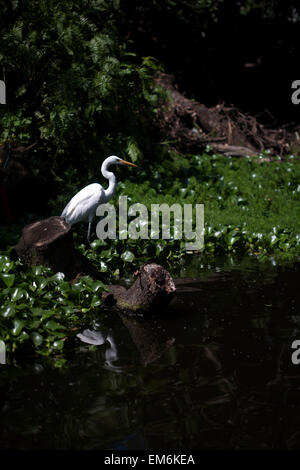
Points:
[[72, 83], [251, 205], [39, 308], [16, 127], [117, 257]]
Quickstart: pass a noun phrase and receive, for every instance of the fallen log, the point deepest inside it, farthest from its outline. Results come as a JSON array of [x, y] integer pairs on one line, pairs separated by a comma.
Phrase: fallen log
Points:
[[234, 150]]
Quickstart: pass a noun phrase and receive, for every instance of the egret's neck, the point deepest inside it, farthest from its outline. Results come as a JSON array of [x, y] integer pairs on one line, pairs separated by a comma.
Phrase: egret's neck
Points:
[[110, 191]]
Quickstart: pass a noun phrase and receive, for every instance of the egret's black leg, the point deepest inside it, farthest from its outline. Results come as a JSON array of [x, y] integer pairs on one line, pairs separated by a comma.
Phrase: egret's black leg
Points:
[[89, 233]]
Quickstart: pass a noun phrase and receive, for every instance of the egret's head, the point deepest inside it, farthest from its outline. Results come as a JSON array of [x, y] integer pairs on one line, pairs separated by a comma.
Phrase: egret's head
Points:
[[113, 160]]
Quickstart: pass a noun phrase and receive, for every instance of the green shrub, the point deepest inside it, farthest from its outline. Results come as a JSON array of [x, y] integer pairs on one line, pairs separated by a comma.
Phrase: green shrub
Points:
[[72, 84]]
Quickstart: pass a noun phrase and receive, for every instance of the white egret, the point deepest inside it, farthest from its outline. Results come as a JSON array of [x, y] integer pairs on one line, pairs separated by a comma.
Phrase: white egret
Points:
[[84, 204]]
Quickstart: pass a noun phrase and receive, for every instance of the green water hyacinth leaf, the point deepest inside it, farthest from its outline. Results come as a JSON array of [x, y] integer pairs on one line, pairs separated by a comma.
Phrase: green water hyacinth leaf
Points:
[[103, 266], [3, 259], [231, 240], [58, 277], [285, 246], [58, 344], [5, 264], [95, 301], [273, 239], [23, 336], [128, 256], [41, 283], [34, 324], [97, 243], [68, 309], [18, 325], [65, 288], [36, 338], [60, 362], [78, 286], [48, 296], [8, 279], [96, 285], [16, 294], [46, 314], [8, 311], [59, 334], [53, 325], [106, 253], [37, 311], [22, 306], [33, 287], [38, 270], [159, 248]]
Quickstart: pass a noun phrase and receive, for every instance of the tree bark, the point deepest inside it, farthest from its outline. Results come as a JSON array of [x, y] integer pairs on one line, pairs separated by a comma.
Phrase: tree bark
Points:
[[153, 289], [49, 242]]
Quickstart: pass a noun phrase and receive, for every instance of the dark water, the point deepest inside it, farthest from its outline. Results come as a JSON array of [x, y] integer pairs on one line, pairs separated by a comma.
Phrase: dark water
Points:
[[213, 372]]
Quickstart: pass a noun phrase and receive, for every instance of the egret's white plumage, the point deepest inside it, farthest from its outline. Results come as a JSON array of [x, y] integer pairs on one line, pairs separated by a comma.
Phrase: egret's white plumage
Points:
[[84, 204]]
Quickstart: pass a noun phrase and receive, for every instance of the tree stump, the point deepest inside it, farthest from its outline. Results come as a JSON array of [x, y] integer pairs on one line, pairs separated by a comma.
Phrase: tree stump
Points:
[[154, 288], [49, 242]]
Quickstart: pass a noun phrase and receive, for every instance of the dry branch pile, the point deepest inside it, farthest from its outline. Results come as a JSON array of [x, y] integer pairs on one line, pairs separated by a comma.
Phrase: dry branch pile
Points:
[[189, 126]]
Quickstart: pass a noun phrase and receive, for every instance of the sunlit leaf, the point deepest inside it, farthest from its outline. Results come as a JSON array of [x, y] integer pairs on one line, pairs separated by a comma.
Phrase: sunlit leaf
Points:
[[36, 338], [128, 256], [8, 279], [8, 311], [17, 328], [53, 325]]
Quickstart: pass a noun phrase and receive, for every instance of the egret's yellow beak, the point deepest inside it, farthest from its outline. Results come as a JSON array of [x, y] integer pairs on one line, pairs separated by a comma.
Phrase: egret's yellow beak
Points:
[[127, 163]]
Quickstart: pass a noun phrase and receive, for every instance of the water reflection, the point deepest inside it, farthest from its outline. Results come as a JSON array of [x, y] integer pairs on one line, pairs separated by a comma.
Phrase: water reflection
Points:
[[214, 371], [97, 338]]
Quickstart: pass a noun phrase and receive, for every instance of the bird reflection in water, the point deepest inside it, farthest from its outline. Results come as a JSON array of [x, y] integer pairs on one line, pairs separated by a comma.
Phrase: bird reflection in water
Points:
[[98, 338]]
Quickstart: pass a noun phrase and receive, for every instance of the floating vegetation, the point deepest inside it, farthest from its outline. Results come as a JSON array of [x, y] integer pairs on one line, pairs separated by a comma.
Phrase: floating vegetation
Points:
[[39, 309]]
